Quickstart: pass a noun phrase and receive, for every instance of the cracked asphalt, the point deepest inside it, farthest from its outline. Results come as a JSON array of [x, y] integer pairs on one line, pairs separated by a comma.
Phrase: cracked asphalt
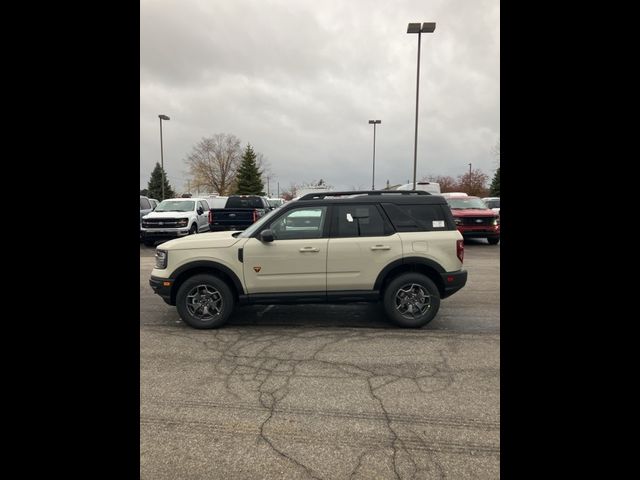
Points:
[[324, 392]]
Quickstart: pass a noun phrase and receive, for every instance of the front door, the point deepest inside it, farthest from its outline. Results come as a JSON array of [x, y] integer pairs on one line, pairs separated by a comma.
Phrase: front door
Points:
[[296, 261]]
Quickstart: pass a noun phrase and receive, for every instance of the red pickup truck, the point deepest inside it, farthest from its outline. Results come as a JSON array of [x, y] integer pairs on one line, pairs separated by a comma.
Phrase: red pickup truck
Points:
[[474, 218]]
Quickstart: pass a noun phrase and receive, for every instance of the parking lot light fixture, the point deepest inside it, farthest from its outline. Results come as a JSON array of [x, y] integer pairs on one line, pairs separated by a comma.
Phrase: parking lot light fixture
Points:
[[373, 179], [162, 117], [426, 27]]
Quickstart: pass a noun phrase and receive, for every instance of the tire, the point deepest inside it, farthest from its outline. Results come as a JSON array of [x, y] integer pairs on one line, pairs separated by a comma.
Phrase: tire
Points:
[[149, 243], [493, 241], [194, 229], [400, 312], [200, 293]]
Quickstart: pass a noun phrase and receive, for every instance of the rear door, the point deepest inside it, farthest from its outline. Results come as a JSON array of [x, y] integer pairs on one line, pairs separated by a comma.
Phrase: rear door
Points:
[[362, 242], [296, 261]]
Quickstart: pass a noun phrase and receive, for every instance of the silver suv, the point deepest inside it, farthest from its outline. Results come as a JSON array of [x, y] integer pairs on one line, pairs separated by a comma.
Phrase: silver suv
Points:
[[398, 247]]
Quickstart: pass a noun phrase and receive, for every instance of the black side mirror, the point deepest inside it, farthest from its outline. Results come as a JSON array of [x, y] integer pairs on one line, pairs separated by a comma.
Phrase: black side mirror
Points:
[[200, 210], [266, 236]]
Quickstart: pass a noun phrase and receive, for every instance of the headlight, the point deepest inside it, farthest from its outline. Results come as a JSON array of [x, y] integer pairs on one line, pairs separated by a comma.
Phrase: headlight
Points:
[[161, 259], [496, 221], [183, 222]]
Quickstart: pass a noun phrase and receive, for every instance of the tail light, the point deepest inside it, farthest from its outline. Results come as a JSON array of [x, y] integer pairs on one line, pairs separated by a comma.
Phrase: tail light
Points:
[[255, 216], [460, 249], [210, 216]]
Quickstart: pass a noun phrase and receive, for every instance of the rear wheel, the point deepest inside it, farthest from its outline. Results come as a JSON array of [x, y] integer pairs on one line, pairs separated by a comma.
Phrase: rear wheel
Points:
[[493, 241], [411, 300], [204, 301]]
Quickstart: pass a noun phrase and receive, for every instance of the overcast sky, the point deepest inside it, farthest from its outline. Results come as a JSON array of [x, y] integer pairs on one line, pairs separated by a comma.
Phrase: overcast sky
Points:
[[299, 80]]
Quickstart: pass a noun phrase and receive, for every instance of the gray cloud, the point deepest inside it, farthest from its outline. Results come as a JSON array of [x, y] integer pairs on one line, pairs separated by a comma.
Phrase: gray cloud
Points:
[[299, 80]]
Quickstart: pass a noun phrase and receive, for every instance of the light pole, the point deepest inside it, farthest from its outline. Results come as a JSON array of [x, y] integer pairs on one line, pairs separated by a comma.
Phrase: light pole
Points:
[[162, 117], [427, 27], [469, 171], [373, 179]]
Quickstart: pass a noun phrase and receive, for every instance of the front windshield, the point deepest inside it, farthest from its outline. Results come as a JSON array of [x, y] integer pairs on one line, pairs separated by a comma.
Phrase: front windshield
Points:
[[176, 206], [466, 202], [256, 227]]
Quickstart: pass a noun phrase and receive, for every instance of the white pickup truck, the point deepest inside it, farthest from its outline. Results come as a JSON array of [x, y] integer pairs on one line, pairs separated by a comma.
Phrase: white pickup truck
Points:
[[174, 218]]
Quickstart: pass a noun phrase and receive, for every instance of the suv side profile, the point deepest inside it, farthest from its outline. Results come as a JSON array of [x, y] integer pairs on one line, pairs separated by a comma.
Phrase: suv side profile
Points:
[[398, 247]]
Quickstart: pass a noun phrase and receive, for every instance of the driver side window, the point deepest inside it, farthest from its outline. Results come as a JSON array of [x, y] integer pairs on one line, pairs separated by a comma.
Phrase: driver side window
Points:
[[304, 222]]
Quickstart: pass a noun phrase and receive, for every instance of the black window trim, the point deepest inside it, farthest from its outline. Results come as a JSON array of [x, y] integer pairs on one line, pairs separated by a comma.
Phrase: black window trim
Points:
[[325, 227]]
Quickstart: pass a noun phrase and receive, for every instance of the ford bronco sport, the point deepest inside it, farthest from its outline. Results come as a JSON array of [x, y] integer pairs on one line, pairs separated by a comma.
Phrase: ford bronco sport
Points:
[[400, 247]]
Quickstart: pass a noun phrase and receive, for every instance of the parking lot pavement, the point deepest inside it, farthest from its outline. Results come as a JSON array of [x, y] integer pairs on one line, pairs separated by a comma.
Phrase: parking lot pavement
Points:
[[320, 391]]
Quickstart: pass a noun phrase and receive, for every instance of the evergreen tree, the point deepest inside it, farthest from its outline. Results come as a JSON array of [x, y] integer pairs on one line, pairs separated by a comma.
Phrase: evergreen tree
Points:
[[155, 185], [495, 184], [249, 178]]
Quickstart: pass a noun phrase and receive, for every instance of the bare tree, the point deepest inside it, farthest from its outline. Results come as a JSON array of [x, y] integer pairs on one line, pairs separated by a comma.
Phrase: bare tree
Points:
[[447, 184], [473, 183], [291, 192], [213, 163]]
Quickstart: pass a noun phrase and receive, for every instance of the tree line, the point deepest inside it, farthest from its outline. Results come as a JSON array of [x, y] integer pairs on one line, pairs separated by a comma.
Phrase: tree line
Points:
[[217, 164]]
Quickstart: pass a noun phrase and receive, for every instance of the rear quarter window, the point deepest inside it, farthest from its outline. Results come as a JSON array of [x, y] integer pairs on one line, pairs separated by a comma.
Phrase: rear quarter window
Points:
[[419, 218]]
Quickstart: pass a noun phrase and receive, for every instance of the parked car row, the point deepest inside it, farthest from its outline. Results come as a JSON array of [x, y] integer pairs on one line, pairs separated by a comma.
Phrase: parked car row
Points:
[[178, 217]]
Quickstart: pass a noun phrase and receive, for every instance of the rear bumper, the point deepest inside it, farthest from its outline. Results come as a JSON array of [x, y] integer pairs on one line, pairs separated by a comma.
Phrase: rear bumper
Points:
[[453, 281], [221, 228]]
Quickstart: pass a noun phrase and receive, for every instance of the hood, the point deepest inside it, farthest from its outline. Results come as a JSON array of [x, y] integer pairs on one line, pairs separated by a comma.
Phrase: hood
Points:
[[168, 215], [473, 212], [201, 240]]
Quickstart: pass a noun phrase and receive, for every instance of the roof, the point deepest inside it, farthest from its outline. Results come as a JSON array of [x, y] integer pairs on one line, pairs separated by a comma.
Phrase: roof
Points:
[[372, 196]]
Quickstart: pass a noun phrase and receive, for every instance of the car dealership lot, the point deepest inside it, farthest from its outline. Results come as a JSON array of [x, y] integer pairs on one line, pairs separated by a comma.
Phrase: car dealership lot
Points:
[[324, 391]]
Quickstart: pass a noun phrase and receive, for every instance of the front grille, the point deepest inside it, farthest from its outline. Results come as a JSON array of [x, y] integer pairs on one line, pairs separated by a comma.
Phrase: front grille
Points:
[[477, 221], [160, 223]]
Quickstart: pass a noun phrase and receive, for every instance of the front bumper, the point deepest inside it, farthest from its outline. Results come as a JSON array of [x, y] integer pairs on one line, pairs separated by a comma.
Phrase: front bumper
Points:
[[453, 281], [162, 287], [485, 231], [149, 234]]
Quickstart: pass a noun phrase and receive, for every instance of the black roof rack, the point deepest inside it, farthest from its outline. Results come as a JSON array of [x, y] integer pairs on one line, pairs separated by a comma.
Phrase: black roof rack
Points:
[[320, 196]]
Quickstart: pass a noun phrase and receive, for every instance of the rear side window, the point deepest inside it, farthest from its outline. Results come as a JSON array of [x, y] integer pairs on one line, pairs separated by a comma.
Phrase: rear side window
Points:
[[144, 204], [359, 221], [418, 218], [244, 202], [205, 205]]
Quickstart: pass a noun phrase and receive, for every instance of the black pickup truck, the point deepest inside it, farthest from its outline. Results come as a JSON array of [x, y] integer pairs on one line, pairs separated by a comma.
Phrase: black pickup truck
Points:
[[239, 212]]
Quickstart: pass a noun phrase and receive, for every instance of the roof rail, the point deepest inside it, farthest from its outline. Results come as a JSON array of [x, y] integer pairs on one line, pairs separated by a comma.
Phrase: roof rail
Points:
[[320, 196]]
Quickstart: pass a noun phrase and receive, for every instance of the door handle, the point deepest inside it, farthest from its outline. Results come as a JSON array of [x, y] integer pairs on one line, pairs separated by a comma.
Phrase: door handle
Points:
[[381, 247], [309, 249]]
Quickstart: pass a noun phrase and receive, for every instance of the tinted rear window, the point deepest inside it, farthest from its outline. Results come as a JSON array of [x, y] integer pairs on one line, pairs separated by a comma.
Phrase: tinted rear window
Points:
[[359, 221], [244, 202], [418, 218]]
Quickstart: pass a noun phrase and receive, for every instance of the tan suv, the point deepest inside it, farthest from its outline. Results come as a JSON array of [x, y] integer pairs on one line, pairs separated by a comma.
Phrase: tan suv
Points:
[[400, 247]]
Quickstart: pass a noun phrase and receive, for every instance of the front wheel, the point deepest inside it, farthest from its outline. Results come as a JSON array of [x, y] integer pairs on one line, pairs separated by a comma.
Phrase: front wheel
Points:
[[193, 230], [411, 300], [493, 241], [204, 301]]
